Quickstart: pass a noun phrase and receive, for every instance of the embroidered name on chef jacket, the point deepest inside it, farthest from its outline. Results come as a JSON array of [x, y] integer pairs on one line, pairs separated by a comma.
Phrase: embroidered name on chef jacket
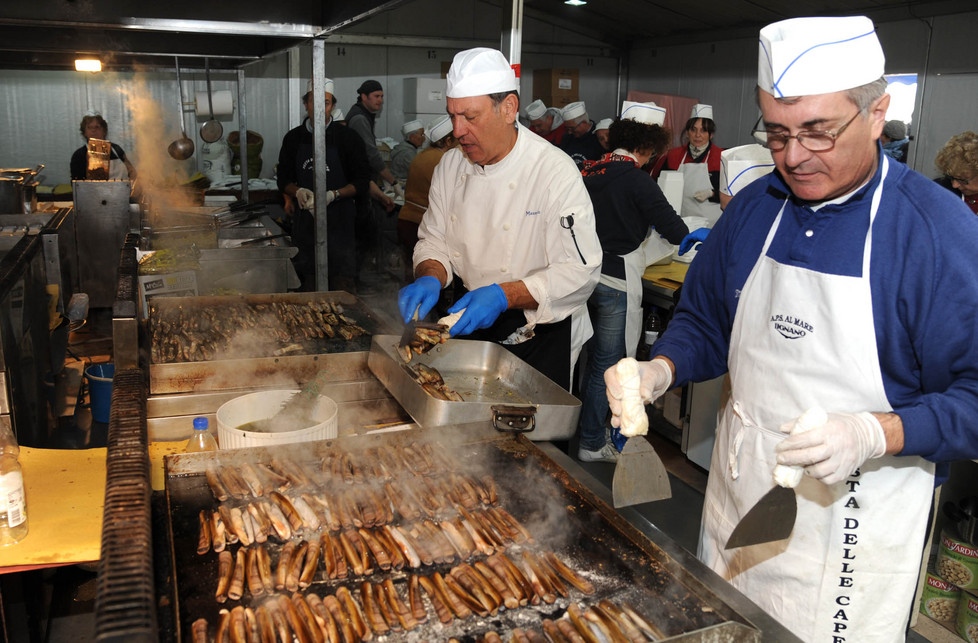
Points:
[[791, 327], [848, 560]]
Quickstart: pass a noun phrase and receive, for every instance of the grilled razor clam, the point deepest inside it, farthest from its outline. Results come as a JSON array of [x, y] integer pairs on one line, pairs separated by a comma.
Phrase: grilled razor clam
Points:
[[499, 525], [435, 392], [489, 530], [311, 564], [478, 587], [450, 598], [284, 562], [238, 524], [464, 596], [325, 507], [442, 610], [300, 629], [407, 620], [443, 550], [336, 611], [491, 637], [516, 572], [282, 630], [464, 491], [250, 476], [218, 534], [229, 533], [203, 533], [233, 482], [308, 618], [310, 521], [508, 597], [384, 607], [415, 602], [522, 534], [518, 635], [570, 632], [371, 609], [391, 547], [292, 471], [361, 548], [455, 538], [552, 632], [381, 557], [581, 624], [340, 567], [547, 574], [647, 628], [274, 478], [251, 621], [295, 566], [281, 525], [403, 501], [428, 375], [252, 575], [513, 586], [260, 524], [264, 562], [351, 554], [408, 552], [281, 501], [487, 490], [606, 625], [475, 533], [199, 629], [236, 588], [218, 490], [223, 626], [324, 618], [369, 514], [539, 583], [353, 613], [225, 568], [328, 554], [347, 512], [580, 584], [465, 535], [266, 628], [622, 620]]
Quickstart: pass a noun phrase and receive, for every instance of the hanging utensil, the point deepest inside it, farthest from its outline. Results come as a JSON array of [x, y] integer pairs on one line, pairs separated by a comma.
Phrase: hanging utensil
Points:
[[182, 148], [212, 130]]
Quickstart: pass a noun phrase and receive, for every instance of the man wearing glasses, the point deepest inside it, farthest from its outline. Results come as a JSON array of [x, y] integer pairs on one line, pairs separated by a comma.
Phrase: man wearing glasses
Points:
[[846, 282]]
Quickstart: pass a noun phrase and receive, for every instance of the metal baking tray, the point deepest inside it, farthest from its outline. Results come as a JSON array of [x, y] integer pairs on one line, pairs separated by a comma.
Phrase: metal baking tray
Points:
[[488, 377]]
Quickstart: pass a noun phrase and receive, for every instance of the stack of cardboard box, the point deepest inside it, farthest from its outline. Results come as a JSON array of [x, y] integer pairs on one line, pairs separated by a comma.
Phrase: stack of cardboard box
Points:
[[556, 87]]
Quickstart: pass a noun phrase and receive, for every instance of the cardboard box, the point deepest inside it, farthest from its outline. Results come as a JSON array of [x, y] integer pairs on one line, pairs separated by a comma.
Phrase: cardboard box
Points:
[[172, 284], [425, 95], [559, 102], [558, 83]]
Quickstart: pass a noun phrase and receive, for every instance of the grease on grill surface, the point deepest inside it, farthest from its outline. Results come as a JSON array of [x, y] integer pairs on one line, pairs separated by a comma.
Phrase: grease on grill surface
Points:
[[243, 329], [406, 542]]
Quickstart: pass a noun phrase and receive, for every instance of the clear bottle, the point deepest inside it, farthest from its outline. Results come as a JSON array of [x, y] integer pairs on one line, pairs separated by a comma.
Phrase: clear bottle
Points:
[[13, 503], [201, 440]]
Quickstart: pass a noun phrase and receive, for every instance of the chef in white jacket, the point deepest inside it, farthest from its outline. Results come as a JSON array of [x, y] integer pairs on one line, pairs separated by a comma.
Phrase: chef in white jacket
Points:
[[509, 216], [806, 293]]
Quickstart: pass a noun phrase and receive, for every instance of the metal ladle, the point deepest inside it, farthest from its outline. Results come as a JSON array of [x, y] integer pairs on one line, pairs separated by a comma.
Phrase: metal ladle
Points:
[[212, 130], [182, 148]]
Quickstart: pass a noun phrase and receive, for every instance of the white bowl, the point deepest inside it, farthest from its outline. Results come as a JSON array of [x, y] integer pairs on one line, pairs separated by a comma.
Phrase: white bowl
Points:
[[264, 404]]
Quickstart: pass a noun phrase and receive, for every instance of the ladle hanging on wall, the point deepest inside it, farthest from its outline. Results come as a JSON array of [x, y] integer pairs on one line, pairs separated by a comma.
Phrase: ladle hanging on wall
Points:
[[212, 130], [182, 148]]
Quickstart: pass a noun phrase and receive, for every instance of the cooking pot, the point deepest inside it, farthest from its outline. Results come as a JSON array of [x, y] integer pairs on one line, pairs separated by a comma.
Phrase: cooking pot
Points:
[[11, 195]]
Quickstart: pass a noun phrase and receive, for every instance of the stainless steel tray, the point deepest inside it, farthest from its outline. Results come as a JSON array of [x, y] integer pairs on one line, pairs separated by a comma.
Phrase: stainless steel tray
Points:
[[487, 376]]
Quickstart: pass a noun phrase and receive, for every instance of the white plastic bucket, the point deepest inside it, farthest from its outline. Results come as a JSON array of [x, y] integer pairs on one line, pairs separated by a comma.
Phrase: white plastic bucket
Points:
[[263, 405]]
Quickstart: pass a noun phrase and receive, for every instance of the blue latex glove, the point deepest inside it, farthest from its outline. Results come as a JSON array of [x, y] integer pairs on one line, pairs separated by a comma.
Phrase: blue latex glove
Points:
[[691, 239], [482, 307], [424, 292]]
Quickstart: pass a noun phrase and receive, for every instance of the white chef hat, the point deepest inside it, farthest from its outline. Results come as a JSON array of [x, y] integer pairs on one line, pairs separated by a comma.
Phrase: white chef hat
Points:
[[739, 166], [479, 72], [806, 56], [411, 126], [327, 86], [439, 128], [337, 114], [648, 113], [604, 123], [573, 110], [536, 110], [701, 111]]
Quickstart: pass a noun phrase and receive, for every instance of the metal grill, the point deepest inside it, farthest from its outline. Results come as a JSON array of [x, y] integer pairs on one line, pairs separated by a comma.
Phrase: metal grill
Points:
[[124, 603]]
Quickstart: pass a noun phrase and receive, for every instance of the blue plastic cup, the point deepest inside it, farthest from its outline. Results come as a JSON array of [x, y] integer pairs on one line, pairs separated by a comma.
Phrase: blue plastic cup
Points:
[[100, 390]]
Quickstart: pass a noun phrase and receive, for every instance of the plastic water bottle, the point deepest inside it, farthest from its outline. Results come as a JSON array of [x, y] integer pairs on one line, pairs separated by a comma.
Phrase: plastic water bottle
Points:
[[201, 440], [13, 504]]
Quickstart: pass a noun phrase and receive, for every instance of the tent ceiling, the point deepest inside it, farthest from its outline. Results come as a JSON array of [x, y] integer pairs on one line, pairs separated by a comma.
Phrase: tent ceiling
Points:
[[50, 34]]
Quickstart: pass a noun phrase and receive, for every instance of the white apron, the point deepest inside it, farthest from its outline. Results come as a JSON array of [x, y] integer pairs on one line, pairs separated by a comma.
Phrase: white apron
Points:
[[634, 269], [118, 169], [696, 178], [848, 571]]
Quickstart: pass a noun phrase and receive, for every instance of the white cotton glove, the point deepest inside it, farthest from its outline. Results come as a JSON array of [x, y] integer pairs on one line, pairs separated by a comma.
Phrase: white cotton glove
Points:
[[702, 195], [306, 198], [655, 378], [331, 196], [831, 451]]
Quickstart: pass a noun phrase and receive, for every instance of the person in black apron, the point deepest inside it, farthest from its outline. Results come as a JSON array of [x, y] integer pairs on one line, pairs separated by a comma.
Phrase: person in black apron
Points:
[[347, 177]]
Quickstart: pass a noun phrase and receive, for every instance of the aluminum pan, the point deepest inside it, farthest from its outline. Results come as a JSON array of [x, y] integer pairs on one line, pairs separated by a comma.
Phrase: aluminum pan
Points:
[[485, 374]]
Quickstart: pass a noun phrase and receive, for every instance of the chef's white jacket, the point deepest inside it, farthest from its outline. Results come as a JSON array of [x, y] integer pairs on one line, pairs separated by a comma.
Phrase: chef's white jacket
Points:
[[502, 222]]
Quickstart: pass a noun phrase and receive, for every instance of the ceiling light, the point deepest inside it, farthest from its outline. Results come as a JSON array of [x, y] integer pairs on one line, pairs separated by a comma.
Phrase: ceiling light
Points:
[[88, 64], [575, 3]]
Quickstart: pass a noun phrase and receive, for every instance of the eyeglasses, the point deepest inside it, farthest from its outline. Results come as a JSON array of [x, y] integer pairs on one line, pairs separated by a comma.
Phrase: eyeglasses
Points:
[[811, 140], [952, 179]]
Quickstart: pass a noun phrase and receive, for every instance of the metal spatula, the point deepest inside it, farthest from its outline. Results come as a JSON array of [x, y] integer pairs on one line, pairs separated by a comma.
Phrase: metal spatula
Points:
[[640, 475], [408, 335]]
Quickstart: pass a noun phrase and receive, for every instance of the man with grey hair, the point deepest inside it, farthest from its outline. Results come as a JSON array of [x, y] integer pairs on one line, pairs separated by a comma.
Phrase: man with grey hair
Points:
[[546, 121], [509, 216], [580, 143], [405, 151], [824, 291]]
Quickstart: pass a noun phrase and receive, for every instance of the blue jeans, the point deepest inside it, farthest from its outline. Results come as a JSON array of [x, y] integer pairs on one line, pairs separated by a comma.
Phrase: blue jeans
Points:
[[608, 308]]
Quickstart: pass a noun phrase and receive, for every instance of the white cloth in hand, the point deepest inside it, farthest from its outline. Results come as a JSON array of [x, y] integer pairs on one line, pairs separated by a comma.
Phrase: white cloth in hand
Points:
[[634, 421], [832, 451], [331, 196], [655, 378], [787, 476], [702, 195], [306, 198], [450, 320]]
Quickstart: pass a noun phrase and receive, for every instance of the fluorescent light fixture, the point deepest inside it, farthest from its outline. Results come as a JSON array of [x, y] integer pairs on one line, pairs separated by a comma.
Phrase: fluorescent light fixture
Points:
[[88, 64], [575, 3]]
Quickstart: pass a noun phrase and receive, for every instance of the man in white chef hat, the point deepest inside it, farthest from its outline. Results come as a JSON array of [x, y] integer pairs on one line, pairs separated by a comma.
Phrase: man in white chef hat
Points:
[[825, 290], [547, 122], [507, 215], [405, 151], [581, 143]]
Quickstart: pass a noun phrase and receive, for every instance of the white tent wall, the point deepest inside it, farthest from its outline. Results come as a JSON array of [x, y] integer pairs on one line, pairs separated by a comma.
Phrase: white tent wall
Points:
[[724, 74]]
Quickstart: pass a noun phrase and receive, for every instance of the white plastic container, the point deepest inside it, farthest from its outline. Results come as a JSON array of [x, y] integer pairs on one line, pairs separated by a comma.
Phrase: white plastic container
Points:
[[264, 404]]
